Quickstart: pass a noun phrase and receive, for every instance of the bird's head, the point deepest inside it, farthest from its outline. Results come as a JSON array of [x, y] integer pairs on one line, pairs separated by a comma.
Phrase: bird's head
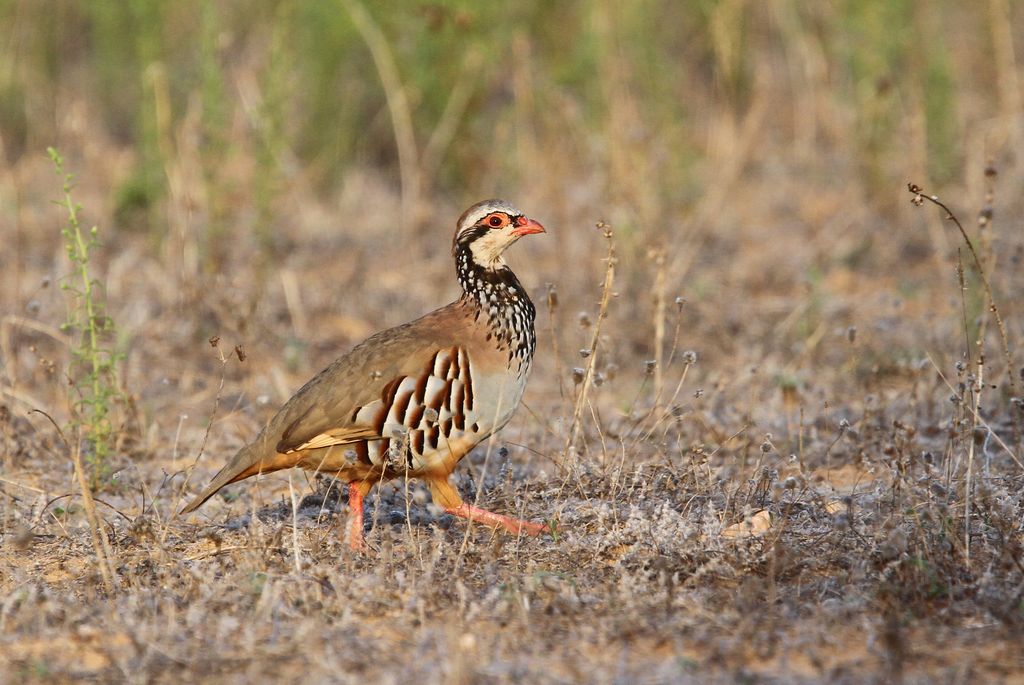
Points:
[[486, 230]]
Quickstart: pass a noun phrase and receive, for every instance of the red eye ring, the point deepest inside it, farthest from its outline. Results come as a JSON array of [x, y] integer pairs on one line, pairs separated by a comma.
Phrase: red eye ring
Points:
[[495, 221]]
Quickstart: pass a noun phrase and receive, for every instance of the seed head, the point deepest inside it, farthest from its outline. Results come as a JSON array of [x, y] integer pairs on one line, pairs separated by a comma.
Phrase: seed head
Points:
[[552, 296]]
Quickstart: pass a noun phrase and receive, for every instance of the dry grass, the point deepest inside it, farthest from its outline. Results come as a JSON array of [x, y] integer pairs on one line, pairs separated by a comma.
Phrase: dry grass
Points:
[[822, 363]]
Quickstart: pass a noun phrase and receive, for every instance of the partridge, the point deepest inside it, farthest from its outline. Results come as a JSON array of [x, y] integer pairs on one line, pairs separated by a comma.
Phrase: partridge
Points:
[[413, 400]]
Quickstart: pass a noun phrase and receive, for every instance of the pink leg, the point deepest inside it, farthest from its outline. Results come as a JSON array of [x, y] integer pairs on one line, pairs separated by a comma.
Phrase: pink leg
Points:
[[355, 518], [489, 518]]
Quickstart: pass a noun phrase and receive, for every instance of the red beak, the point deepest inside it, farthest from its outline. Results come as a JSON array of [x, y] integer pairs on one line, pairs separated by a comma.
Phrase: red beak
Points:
[[526, 226]]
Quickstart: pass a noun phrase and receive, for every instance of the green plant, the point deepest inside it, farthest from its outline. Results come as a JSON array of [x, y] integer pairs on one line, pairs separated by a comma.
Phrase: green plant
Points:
[[92, 373]]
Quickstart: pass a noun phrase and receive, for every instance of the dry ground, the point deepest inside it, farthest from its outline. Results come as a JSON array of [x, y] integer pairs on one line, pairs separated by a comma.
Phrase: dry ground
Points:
[[814, 367], [823, 400]]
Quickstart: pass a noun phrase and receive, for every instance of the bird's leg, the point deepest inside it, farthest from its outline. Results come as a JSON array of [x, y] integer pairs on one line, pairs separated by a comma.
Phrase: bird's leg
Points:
[[489, 518], [446, 496], [356, 492]]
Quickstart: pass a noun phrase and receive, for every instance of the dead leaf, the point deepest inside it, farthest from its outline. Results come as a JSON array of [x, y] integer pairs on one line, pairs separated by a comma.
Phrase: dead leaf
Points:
[[835, 507], [755, 525]]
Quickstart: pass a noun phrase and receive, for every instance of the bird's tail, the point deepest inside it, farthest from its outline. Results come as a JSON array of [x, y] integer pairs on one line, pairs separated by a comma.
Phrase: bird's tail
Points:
[[249, 461]]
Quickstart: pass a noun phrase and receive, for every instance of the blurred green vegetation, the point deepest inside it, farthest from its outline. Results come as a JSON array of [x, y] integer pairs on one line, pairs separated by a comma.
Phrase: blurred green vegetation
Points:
[[633, 87]]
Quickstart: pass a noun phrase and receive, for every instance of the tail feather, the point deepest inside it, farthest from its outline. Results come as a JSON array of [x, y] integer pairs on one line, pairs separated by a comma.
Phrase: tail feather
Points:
[[247, 462]]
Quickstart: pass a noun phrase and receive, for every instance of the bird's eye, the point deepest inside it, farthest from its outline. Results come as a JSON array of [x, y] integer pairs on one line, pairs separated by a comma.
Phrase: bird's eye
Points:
[[495, 221]]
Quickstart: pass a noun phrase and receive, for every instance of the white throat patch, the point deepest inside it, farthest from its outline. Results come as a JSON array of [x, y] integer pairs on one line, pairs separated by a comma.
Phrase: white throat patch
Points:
[[487, 249]]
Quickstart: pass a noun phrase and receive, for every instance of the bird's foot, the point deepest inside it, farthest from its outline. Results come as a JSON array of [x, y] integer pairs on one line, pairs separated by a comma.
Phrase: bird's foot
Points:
[[356, 542], [489, 518]]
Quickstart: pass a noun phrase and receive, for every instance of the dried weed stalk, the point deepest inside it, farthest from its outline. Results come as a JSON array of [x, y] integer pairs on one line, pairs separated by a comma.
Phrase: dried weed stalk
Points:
[[975, 381], [587, 379], [918, 199]]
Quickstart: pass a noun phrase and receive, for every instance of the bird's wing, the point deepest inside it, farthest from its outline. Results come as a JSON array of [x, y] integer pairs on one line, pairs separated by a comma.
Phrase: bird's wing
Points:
[[376, 387]]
